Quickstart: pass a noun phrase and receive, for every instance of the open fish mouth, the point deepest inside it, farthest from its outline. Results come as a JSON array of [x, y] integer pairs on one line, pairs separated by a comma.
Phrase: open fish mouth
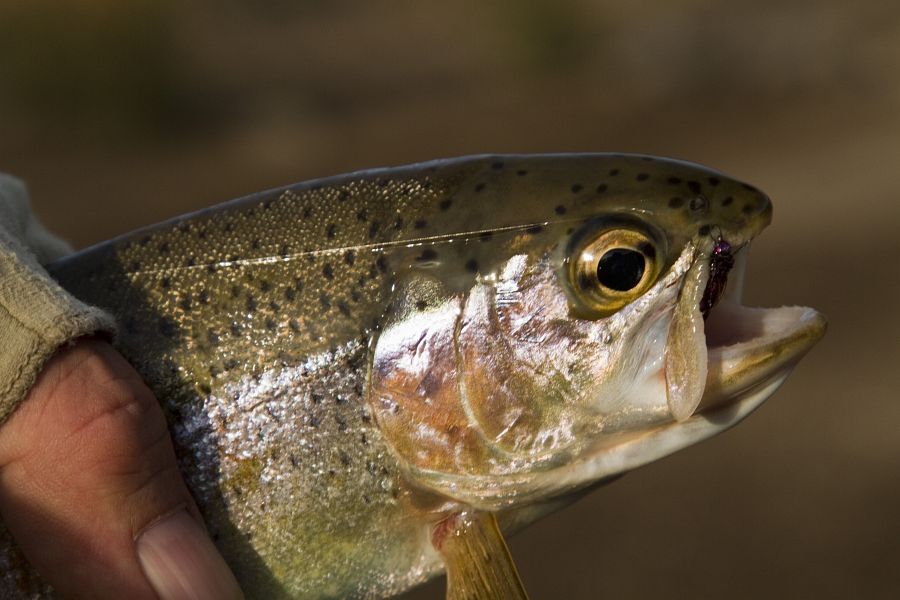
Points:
[[749, 348]]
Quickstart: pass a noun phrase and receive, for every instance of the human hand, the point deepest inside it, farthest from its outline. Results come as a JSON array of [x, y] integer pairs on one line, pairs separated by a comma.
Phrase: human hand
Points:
[[90, 489]]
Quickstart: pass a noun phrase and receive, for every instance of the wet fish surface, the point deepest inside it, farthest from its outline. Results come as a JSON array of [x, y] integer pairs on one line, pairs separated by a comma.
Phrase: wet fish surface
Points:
[[364, 374]]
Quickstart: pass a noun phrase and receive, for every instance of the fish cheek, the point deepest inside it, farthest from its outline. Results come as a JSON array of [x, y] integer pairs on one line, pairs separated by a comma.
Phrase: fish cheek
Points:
[[497, 388], [414, 386], [519, 376]]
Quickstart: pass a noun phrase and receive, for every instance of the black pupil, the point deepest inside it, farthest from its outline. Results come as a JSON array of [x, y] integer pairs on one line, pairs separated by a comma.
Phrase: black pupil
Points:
[[621, 269]]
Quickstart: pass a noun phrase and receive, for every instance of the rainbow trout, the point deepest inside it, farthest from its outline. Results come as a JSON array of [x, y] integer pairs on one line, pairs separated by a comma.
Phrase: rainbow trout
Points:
[[369, 377]]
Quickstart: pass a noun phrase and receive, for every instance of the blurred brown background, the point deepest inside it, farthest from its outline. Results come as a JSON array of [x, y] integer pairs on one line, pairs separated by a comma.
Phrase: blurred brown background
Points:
[[121, 114]]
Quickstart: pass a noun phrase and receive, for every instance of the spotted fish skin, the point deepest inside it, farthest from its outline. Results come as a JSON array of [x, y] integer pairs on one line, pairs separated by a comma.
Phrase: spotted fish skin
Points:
[[254, 323]]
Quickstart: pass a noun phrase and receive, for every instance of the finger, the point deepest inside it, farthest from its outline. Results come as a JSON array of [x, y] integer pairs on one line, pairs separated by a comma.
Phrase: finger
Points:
[[90, 488]]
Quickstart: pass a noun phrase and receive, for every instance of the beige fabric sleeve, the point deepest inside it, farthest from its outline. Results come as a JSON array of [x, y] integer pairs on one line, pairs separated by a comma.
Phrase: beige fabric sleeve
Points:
[[36, 314]]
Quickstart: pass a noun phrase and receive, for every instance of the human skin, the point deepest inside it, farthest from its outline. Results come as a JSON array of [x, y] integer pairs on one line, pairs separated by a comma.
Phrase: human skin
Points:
[[90, 489]]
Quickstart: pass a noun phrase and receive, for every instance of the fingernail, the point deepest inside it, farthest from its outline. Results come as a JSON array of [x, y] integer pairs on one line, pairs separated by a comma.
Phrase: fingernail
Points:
[[181, 562]]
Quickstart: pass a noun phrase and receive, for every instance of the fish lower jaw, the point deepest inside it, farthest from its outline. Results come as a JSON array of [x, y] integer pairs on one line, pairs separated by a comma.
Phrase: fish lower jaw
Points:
[[748, 346]]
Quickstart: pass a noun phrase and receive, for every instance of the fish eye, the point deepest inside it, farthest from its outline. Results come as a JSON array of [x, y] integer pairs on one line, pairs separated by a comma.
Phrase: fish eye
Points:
[[621, 269], [610, 268]]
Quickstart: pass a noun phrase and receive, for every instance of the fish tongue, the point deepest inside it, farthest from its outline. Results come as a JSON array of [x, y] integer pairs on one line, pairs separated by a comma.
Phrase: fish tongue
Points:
[[686, 346]]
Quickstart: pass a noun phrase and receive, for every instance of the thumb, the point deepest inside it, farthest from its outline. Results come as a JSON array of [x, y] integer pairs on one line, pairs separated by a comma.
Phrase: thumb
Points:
[[90, 489]]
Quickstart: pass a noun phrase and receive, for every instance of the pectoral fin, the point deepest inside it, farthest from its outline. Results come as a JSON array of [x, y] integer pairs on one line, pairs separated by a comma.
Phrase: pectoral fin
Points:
[[479, 566]]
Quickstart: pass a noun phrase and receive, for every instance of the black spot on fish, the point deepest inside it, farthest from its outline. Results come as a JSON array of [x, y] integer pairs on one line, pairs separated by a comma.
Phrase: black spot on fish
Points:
[[251, 303], [331, 231], [642, 177], [521, 172], [212, 337], [471, 265], [210, 269], [362, 215], [420, 224], [383, 182], [344, 308], [283, 250], [205, 389], [560, 209], [713, 181], [325, 301], [497, 165], [328, 271], [601, 188], [201, 234], [235, 291], [613, 172], [577, 188], [274, 306], [343, 195], [315, 421], [203, 297], [674, 180], [349, 257], [307, 212], [748, 209], [185, 304], [694, 186], [341, 421], [270, 324], [398, 224], [698, 203], [421, 305], [167, 327], [235, 330], [165, 283], [373, 229], [676, 202], [427, 255], [265, 286], [727, 200], [144, 240], [485, 236], [381, 263], [704, 230], [345, 459], [294, 325], [445, 204], [354, 296], [479, 187], [164, 248], [229, 227], [191, 261]]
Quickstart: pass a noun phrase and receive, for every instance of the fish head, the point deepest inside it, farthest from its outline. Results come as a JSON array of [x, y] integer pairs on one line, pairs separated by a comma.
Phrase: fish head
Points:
[[564, 333]]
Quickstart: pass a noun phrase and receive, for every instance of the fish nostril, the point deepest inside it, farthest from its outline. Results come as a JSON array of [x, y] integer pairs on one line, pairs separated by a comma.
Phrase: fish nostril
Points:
[[698, 204]]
